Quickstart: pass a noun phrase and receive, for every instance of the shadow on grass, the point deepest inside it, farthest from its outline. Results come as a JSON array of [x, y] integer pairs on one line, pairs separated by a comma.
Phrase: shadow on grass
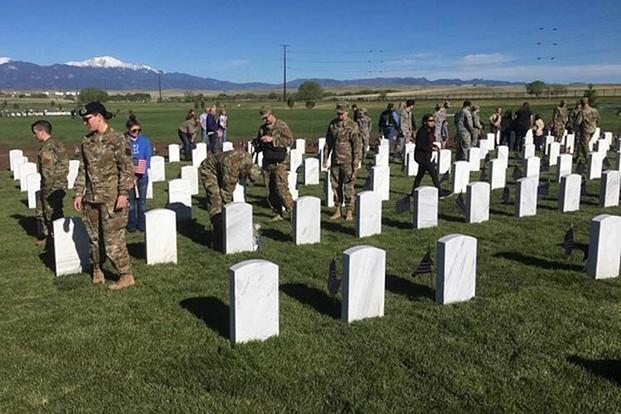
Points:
[[210, 310], [609, 369], [137, 250], [28, 223], [537, 261], [47, 258], [335, 227], [404, 287], [404, 225], [455, 219], [317, 299], [275, 234], [501, 212], [195, 232]]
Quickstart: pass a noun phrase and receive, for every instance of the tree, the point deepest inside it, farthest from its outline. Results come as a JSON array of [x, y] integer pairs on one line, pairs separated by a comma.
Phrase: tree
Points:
[[92, 94], [310, 104], [290, 102], [591, 94], [273, 96], [309, 91], [535, 88]]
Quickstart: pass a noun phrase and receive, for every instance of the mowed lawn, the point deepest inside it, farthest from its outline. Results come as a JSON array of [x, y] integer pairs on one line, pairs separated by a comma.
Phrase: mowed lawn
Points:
[[540, 336]]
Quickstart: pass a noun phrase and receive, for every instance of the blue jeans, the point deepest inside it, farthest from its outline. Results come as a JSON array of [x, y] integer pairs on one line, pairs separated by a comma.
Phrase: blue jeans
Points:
[[186, 143], [389, 133], [213, 142], [204, 135], [223, 135], [138, 206]]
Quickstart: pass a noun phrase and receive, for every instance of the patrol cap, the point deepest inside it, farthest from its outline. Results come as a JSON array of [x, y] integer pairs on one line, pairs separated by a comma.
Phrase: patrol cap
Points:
[[342, 107], [93, 108], [265, 110], [410, 102], [584, 100], [563, 102]]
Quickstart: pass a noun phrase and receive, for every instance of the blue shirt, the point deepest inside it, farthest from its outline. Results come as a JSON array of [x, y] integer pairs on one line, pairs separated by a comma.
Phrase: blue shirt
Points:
[[141, 149]]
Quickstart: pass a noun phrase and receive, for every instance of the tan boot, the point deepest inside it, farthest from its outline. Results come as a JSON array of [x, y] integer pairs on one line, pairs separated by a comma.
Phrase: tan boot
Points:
[[98, 276], [337, 214], [124, 281], [277, 217], [40, 243], [349, 215]]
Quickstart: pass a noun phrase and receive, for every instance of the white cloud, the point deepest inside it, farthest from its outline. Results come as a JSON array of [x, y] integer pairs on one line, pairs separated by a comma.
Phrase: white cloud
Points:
[[483, 59]]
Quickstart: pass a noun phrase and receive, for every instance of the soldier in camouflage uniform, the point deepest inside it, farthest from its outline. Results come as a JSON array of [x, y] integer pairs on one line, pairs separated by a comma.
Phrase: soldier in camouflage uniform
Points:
[[343, 143], [572, 126], [559, 120], [101, 191], [464, 127], [587, 119], [53, 166], [273, 139], [478, 126], [408, 126], [364, 126], [220, 174]]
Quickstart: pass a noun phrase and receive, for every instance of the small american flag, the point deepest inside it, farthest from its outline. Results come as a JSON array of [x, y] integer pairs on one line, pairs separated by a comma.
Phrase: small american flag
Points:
[[568, 241], [505, 195], [459, 202], [403, 204], [334, 283], [425, 265], [140, 166]]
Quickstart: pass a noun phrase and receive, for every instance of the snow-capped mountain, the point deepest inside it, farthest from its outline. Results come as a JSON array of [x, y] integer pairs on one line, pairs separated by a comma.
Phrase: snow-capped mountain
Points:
[[4, 60], [107, 62]]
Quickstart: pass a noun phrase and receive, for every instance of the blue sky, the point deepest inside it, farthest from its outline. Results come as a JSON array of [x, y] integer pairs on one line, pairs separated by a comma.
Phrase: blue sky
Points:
[[557, 41]]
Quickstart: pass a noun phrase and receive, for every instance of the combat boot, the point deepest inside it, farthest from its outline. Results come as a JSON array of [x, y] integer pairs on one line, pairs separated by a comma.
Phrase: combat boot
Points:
[[98, 276], [349, 215], [277, 217], [40, 243], [124, 281], [337, 214]]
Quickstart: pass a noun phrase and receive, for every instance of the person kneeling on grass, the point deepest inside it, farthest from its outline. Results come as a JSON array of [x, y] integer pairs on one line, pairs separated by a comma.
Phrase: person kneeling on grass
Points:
[[425, 139]]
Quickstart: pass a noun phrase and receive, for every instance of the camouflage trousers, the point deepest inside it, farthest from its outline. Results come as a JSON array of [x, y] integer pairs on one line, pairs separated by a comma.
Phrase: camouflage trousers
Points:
[[106, 226], [365, 144], [343, 178], [49, 208], [583, 147], [276, 179], [463, 145], [558, 132], [400, 142]]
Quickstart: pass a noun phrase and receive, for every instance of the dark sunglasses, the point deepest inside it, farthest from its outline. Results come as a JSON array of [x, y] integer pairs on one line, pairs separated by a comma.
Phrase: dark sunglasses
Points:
[[87, 118], [431, 120], [134, 130]]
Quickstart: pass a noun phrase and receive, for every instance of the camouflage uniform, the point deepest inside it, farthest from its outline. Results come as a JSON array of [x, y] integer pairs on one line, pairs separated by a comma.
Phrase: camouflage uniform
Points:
[[478, 127], [105, 173], [559, 121], [54, 167], [364, 126], [275, 174], [463, 125], [440, 117], [220, 174], [587, 118], [405, 136], [344, 144]]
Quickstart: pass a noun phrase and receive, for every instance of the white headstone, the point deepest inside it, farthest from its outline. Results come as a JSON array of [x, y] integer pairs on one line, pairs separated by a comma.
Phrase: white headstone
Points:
[[34, 186], [311, 171], [24, 171], [570, 143], [526, 197], [563, 166], [16, 164], [253, 296], [190, 173], [160, 236], [445, 157], [553, 153], [595, 165], [14, 154], [425, 207], [474, 158], [380, 181], [549, 139], [74, 168], [368, 214], [239, 194], [457, 268], [295, 160], [237, 225], [71, 246], [604, 247], [158, 169], [381, 159], [173, 153], [259, 159], [321, 142], [602, 146], [569, 196], [300, 145], [608, 137], [411, 166], [293, 182], [499, 174], [408, 148], [609, 189], [529, 151], [328, 199], [477, 205], [502, 153], [364, 280], [461, 176], [483, 147], [198, 155], [227, 146], [149, 195], [180, 198], [529, 136], [306, 220], [532, 166]]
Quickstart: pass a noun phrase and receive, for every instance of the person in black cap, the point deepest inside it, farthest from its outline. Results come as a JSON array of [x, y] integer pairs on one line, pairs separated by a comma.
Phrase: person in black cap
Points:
[[101, 191]]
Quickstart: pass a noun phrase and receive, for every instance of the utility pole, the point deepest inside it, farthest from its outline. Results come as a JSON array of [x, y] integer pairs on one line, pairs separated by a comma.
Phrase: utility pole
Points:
[[284, 73], [159, 83]]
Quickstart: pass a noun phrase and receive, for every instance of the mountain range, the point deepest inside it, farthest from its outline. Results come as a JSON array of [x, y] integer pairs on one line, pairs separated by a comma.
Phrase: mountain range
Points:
[[109, 73]]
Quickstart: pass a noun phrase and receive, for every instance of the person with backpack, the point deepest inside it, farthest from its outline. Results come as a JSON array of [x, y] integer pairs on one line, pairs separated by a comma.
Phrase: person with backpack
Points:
[[388, 123]]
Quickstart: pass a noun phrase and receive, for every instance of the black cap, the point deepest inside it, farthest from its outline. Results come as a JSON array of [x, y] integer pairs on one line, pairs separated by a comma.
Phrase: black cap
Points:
[[93, 108]]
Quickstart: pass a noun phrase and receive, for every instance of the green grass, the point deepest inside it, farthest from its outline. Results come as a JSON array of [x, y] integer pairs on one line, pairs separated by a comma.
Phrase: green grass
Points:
[[539, 336]]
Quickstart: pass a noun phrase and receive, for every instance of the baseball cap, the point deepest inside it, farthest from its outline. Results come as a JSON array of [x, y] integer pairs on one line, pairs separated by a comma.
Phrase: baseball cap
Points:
[[93, 108], [342, 107], [265, 110]]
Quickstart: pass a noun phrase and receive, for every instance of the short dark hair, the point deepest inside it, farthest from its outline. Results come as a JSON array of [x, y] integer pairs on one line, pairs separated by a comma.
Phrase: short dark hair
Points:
[[467, 103], [131, 122], [41, 124], [410, 102]]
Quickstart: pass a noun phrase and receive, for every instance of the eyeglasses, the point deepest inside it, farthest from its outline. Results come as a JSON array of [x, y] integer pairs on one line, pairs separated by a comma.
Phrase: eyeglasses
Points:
[[135, 130], [431, 120], [86, 118]]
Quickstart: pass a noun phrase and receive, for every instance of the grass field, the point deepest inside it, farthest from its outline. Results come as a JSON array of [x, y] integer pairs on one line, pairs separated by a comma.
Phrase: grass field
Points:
[[540, 336]]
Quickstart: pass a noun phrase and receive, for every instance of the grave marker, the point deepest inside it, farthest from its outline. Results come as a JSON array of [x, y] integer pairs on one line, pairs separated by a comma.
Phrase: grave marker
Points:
[[364, 279], [71, 246], [368, 214], [604, 247], [237, 225], [306, 220], [160, 236], [477, 205], [425, 207], [457, 264]]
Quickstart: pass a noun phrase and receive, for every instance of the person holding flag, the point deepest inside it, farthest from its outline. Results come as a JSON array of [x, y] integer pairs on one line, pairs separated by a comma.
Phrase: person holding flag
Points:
[[141, 162]]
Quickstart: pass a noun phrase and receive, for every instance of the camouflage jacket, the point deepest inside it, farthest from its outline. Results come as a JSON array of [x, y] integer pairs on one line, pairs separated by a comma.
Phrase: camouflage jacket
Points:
[[476, 120], [364, 126], [560, 116], [343, 142], [439, 116], [282, 139], [573, 119], [463, 122], [105, 167], [587, 119], [222, 172], [53, 165], [407, 126]]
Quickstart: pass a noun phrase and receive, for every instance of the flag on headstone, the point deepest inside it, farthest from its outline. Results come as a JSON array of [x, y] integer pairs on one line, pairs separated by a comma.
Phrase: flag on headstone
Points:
[[580, 168], [460, 203], [543, 189], [545, 164], [334, 283], [505, 195], [403, 204], [517, 173], [444, 177], [483, 175], [583, 189], [606, 163], [568, 242], [425, 265]]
